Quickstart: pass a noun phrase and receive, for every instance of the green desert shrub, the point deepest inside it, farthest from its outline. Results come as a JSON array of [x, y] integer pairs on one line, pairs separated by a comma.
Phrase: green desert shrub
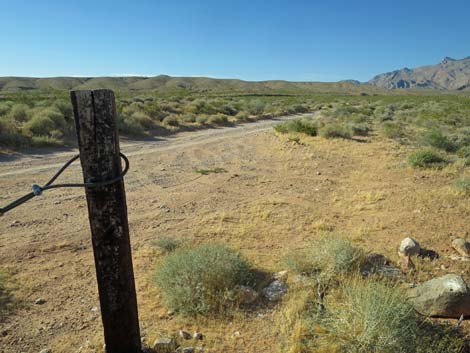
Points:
[[39, 125], [143, 120], [435, 138], [462, 186], [200, 280], [330, 254], [464, 152], [392, 130], [171, 120], [297, 109], [129, 126], [65, 108], [188, 118], [202, 119], [425, 159], [10, 136], [255, 107], [229, 109], [45, 141], [19, 112], [332, 130], [242, 116], [168, 244], [218, 119], [359, 129], [298, 125]]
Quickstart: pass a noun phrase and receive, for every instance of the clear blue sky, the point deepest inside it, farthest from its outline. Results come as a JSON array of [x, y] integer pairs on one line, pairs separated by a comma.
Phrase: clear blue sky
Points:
[[250, 39]]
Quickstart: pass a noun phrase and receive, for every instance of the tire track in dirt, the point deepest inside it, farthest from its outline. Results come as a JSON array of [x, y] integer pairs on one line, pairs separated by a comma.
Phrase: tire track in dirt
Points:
[[180, 141]]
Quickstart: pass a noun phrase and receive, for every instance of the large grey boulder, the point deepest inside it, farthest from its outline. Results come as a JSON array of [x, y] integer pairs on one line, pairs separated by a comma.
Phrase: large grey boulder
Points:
[[446, 296]]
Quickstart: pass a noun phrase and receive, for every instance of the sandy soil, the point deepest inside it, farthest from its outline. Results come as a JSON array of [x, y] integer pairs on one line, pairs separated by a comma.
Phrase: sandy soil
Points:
[[274, 197]]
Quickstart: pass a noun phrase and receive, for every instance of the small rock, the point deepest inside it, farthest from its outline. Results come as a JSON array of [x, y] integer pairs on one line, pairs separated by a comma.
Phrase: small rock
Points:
[[198, 336], [46, 350], [461, 246], [275, 291], [236, 334], [15, 224], [94, 309], [281, 276], [185, 335], [188, 350], [409, 246], [459, 258], [446, 296], [405, 263], [378, 264], [164, 345], [40, 301], [247, 294]]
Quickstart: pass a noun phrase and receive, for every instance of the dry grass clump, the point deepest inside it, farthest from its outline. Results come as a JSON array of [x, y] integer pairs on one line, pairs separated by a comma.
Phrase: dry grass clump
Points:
[[6, 299], [360, 316], [328, 255], [337, 309], [202, 280]]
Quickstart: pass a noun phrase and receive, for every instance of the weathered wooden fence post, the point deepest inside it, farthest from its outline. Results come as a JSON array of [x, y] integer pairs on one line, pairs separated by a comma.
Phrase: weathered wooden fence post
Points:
[[95, 118]]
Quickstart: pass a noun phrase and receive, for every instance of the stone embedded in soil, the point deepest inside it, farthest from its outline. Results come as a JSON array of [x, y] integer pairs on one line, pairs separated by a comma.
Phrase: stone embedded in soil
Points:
[[409, 247], [46, 350], [198, 336], [405, 264], [281, 276], [446, 296], [275, 291], [185, 335], [461, 246], [164, 345], [378, 264], [40, 301]]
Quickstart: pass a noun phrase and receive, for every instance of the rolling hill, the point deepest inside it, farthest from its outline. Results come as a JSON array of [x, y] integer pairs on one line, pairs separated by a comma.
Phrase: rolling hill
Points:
[[165, 83]]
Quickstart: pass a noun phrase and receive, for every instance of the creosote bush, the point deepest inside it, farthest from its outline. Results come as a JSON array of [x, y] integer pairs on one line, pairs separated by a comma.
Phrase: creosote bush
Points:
[[462, 186], [202, 280], [298, 125], [435, 138], [168, 244], [426, 159], [332, 130]]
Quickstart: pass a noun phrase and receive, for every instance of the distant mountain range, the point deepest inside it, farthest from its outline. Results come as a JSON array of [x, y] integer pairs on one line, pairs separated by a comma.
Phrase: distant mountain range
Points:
[[449, 74]]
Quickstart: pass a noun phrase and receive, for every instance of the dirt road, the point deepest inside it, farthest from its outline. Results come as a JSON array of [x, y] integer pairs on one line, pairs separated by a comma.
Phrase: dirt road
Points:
[[23, 164]]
